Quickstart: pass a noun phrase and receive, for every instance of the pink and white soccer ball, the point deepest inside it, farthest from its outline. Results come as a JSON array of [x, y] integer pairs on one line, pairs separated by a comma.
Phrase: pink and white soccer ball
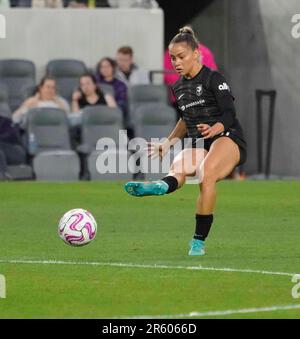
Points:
[[77, 227]]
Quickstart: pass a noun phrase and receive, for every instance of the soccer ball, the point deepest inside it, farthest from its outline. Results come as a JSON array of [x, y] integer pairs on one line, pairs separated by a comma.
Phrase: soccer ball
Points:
[[77, 227]]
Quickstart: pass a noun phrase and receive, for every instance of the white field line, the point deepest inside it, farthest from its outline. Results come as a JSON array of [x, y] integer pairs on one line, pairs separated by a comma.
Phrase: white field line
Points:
[[221, 313], [132, 265], [196, 268]]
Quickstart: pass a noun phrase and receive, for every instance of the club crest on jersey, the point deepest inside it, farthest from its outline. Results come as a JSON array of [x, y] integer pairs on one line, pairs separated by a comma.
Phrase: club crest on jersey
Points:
[[199, 90]]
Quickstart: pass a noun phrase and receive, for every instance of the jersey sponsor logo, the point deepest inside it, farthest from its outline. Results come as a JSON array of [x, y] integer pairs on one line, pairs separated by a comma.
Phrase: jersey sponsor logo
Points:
[[181, 96], [192, 104], [224, 87], [199, 90]]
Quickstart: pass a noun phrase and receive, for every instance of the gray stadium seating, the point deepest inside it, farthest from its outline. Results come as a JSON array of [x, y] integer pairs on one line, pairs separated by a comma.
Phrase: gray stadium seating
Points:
[[67, 73], [20, 172], [155, 120], [145, 94], [151, 116], [16, 74], [28, 91], [101, 122], [16, 172], [53, 158]]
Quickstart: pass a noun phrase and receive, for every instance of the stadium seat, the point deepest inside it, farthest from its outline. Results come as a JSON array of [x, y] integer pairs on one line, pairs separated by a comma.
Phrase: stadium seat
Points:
[[16, 74], [49, 143], [101, 122], [155, 120], [4, 107], [20, 172], [28, 91], [67, 73], [15, 172], [145, 94]]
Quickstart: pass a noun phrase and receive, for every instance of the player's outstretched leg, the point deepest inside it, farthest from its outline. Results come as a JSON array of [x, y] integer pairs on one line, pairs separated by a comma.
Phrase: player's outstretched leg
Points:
[[160, 187], [181, 167]]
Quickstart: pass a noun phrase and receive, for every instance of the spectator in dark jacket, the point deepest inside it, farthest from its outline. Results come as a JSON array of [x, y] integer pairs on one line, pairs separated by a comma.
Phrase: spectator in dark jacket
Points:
[[106, 75], [12, 151]]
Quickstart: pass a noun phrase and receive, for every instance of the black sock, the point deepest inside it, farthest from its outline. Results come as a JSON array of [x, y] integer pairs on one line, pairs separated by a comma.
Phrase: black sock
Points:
[[172, 183], [203, 225]]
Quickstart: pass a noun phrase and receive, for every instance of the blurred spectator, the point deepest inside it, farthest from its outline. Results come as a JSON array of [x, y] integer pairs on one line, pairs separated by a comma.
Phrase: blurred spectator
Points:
[[128, 71], [44, 96], [207, 60], [133, 3], [47, 3], [12, 151], [145, 4], [20, 3], [86, 3], [4, 4], [121, 3], [106, 74], [89, 94]]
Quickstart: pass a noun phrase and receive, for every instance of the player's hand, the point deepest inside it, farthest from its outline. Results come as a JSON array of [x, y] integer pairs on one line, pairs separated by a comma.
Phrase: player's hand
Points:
[[208, 131], [158, 149]]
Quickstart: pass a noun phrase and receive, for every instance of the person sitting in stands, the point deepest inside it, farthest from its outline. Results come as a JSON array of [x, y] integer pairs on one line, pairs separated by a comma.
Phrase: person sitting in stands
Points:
[[105, 74], [12, 151], [44, 96], [127, 70], [89, 94]]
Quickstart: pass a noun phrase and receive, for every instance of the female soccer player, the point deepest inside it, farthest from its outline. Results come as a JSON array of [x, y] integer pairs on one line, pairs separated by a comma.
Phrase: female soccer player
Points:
[[207, 111]]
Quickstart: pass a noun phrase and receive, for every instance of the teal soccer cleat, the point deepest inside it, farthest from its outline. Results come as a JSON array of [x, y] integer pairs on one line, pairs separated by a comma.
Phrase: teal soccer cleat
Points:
[[197, 247], [141, 189]]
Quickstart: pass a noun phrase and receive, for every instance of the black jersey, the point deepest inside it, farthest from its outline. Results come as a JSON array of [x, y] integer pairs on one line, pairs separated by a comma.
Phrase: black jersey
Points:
[[206, 99]]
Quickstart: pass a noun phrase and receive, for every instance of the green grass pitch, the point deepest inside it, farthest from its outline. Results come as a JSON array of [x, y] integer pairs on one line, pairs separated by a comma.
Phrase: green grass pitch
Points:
[[257, 227]]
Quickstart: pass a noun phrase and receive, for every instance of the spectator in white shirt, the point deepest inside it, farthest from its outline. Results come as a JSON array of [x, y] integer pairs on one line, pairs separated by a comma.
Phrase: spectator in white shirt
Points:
[[128, 71], [45, 96]]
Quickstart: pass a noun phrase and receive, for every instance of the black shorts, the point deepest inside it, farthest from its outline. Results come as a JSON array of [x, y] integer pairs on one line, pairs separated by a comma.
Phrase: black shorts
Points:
[[241, 144]]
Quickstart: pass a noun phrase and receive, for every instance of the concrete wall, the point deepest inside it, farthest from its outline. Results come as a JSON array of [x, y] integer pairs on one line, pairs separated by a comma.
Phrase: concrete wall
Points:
[[212, 30], [263, 54], [44, 34], [254, 47]]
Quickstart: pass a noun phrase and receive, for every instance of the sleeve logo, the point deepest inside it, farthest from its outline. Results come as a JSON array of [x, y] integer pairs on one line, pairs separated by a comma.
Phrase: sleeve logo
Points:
[[224, 87]]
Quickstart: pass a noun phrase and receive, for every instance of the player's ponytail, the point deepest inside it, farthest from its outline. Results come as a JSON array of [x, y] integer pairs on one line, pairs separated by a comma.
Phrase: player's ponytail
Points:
[[186, 30], [187, 35]]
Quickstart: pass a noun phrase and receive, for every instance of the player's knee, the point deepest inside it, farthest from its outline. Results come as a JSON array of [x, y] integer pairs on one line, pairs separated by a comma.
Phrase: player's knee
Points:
[[210, 170], [209, 175]]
